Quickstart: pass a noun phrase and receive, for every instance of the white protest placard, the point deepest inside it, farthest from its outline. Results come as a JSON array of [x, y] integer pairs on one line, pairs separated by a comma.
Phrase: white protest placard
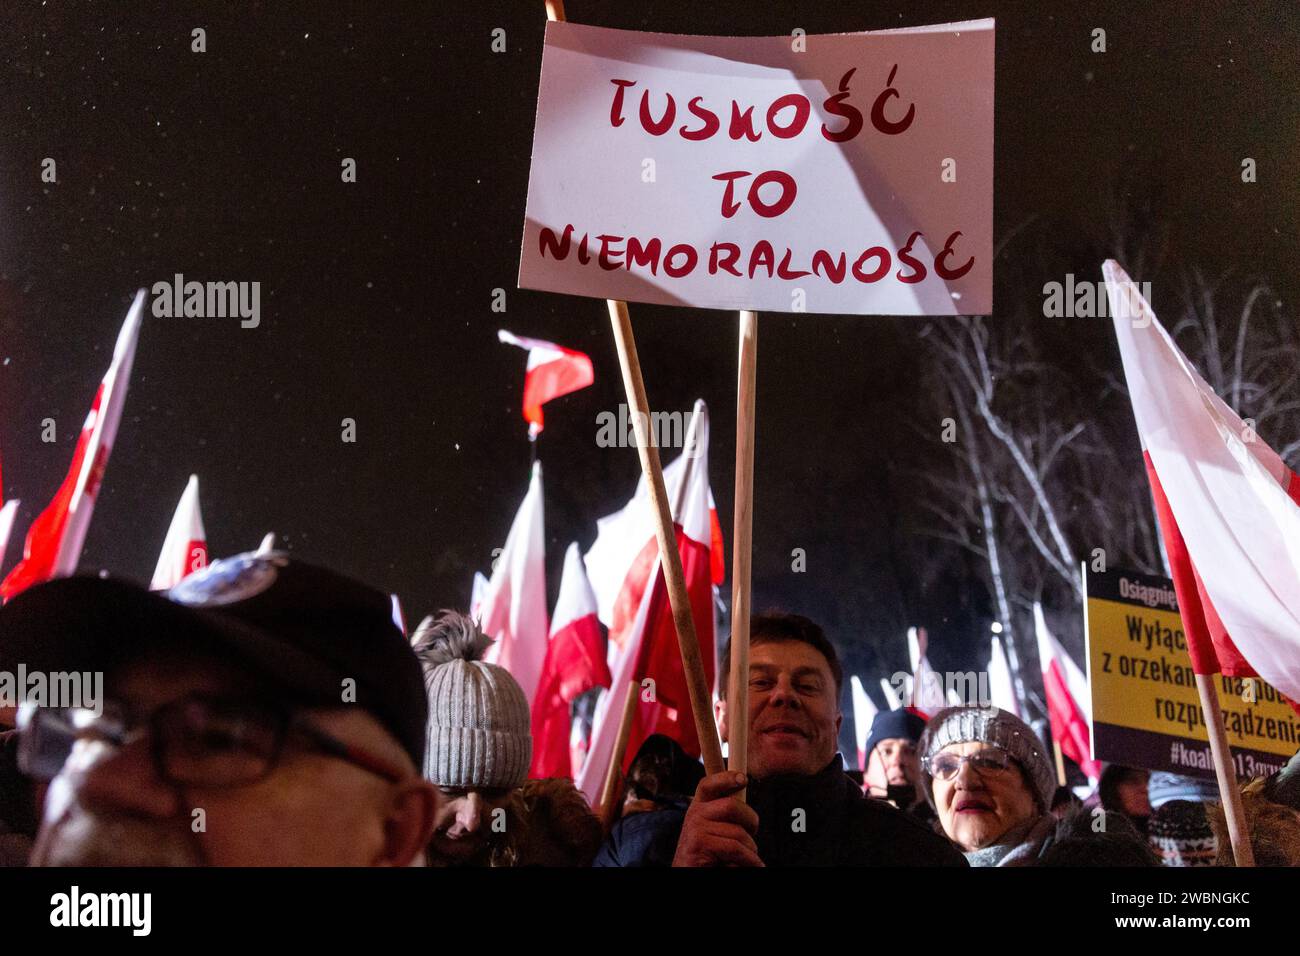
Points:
[[841, 173]]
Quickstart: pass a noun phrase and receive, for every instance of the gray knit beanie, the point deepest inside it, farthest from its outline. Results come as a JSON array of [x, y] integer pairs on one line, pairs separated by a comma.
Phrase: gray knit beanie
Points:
[[478, 732], [998, 728]]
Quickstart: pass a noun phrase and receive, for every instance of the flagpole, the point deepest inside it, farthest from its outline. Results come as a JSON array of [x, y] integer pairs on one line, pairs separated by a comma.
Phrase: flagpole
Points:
[[1224, 771], [687, 640], [1060, 763], [742, 548], [613, 773]]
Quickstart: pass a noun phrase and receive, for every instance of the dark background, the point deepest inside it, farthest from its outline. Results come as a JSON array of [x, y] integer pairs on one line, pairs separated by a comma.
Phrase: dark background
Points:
[[376, 295]]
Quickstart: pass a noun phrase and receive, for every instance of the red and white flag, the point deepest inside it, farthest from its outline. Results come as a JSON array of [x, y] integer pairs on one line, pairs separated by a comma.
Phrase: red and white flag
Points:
[[1069, 702], [1227, 505], [864, 712], [620, 561], [56, 537], [1002, 692], [185, 549], [927, 686], [650, 647], [553, 370], [514, 606], [575, 663]]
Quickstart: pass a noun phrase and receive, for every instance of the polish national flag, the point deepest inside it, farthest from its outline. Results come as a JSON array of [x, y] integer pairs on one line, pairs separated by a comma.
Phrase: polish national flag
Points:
[[514, 606], [56, 537], [185, 549], [927, 685], [651, 648], [892, 697], [1002, 692], [1227, 506], [864, 712], [553, 370], [575, 663], [1069, 702]]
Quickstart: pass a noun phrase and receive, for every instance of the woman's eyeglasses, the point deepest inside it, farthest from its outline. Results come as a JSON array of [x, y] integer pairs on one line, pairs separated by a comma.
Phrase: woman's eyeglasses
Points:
[[988, 762]]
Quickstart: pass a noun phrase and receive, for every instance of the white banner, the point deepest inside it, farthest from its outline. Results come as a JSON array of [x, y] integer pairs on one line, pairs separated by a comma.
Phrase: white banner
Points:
[[842, 173]]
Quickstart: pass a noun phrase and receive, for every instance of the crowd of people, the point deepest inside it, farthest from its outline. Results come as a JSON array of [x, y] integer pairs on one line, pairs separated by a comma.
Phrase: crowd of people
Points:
[[268, 712]]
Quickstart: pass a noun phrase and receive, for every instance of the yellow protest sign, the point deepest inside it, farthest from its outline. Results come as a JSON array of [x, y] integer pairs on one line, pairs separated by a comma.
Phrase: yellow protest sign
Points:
[[1145, 708]]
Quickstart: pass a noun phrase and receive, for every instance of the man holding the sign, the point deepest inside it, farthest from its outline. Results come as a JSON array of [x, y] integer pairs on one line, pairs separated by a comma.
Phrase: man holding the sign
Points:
[[802, 809]]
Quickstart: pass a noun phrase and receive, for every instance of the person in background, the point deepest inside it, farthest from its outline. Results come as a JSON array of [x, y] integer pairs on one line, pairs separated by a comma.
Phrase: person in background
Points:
[[1097, 838], [662, 774], [478, 750], [1272, 808], [988, 777], [1179, 828], [1065, 803], [1124, 790], [893, 766]]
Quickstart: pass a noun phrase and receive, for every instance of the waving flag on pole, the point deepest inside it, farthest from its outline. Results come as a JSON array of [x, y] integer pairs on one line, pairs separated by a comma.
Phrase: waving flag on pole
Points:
[[892, 697], [650, 648], [56, 537], [927, 686], [185, 549], [620, 561], [575, 663], [1068, 700], [1002, 692], [864, 712], [1227, 506], [514, 606], [553, 370]]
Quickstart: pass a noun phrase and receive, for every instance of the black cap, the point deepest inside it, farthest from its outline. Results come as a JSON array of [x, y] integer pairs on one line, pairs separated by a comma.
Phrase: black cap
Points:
[[304, 627], [894, 724]]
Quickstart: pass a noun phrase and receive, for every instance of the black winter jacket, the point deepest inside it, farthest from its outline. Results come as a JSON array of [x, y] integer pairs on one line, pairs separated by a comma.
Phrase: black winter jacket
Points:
[[818, 820]]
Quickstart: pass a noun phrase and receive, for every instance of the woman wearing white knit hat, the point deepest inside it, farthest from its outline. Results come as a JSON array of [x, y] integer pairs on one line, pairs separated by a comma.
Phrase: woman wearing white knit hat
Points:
[[477, 752]]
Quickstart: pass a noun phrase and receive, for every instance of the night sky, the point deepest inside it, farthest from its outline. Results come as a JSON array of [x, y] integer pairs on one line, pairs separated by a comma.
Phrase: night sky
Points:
[[376, 296]]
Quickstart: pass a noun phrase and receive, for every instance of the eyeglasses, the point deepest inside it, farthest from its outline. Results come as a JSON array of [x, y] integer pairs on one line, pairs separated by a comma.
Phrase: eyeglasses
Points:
[[196, 741], [988, 762]]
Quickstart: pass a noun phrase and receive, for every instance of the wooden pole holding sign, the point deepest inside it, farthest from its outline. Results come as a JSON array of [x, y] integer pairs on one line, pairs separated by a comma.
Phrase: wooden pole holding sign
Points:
[[675, 580], [742, 549], [1224, 771], [687, 640]]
